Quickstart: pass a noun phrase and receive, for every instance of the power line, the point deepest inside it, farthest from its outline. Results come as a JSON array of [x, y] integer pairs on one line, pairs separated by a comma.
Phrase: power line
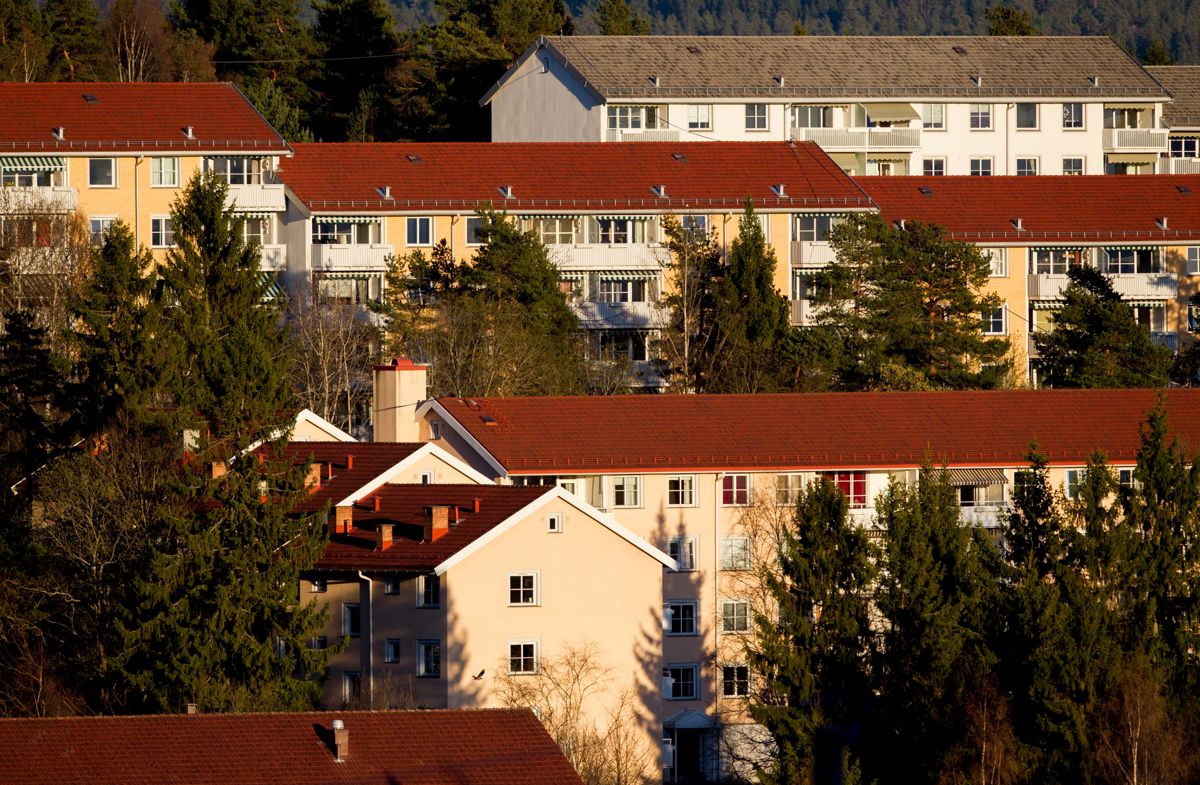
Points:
[[306, 60]]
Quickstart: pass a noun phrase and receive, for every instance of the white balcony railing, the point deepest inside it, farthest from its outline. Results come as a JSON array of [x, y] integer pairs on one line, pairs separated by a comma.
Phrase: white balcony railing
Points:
[[1135, 140], [988, 516], [1180, 166], [261, 198], [52, 199], [860, 139], [1156, 286], [274, 257], [594, 315], [642, 256], [648, 135], [806, 253], [350, 257]]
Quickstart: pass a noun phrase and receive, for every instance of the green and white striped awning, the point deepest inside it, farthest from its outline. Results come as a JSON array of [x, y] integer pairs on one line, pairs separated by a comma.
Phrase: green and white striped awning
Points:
[[358, 276], [1131, 247], [629, 275], [274, 292], [571, 275], [347, 219], [31, 163], [252, 214], [621, 217]]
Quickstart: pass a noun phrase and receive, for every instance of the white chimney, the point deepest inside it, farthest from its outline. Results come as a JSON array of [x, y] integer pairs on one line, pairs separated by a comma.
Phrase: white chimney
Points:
[[189, 132], [659, 190], [978, 80], [60, 132], [1018, 224], [399, 387], [1162, 223], [341, 741]]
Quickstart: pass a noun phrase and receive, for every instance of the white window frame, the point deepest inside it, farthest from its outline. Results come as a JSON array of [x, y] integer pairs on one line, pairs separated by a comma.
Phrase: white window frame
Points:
[[756, 120], [1193, 260], [255, 230], [472, 226], [669, 610], [1082, 165], [980, 163], [391, 584], [423, 646], [554, 523], [351, 685], [997, 261], [933, 167], [1037, 166], [391, 650], [251, 169], [787, 488], [429, 586], [520, 590], [801, 115], [980, 117], [521, 655], [97, 226], [684, 492], [737, 622], [741, 495], [348, 609], [1074, 481], [933, 117], [417, 226], [435, 431], [1037, 116], [162, 175], [700, 117], [725, 682], [684, 549], [92, 183], [162, 233], [426, 477], [631, 490], [694, 669], [735, 552], [318, 586], [989, 321], [1073, 123]]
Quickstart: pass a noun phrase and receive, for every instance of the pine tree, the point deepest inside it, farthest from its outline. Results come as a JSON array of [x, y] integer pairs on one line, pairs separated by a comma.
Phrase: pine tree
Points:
[[810, 658], [1157, 54], [1008, 20], [78, 51], [615, 17], [694, 263], [358, 40]]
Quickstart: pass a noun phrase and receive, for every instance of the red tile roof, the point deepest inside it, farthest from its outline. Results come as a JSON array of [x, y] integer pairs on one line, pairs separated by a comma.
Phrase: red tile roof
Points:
[[578, 177], [370, 459], [657, 433], [489, 747], [404, 506], [1093, 209], [129, 117]]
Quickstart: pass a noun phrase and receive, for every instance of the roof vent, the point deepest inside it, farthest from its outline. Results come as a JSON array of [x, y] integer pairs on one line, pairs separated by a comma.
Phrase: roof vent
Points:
[[659, 190], [341, 741], [1018, 224], [1183, 189], [978, 80], [655, 81], [693, 49], [1095, 80], [506, 191], [413, 158], [679, 156], [779, 190], [962, 50], [902, 224], [488, 420], [925, 190], [59, 132], [1162, 222], [189, 132], [385, 191], [90, 98], [779, 80], [545, 65]]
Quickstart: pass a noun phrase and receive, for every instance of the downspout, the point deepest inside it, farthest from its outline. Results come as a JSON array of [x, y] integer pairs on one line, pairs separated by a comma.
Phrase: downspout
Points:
[[716, 682], [137, 213], [366, 655]]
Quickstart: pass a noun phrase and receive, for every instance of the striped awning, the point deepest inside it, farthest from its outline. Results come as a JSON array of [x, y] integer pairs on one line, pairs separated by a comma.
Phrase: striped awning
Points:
[[346, 219], [1131, 248], [358, 276], [571, 275], [976, 478], [252, 214], [274, 292], [621, 217], [1056, 248], [1149, 302], [31, 163], [548, 217], [629, 275]]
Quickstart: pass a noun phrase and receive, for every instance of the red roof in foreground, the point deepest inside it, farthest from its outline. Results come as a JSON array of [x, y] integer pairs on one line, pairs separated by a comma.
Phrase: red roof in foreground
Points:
[[128, 117], [806, 431], [404, 506], [1092, 209], [368, 459], [571, 177], [488, 747]]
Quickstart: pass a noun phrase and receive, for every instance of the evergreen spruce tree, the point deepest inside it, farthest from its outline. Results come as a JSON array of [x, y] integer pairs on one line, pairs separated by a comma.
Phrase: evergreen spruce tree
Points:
[[811, 656], [615, 17], [356, 38], [77, 53], [1005, 19], [1157, 54]]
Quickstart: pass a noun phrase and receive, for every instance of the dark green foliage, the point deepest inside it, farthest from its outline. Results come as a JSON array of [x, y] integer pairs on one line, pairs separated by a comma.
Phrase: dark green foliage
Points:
[[695, 264], [358, 40], [1096, 341], [24, 41], [1157, 54], [1008, 20], [77, 50], [273, 104], [615, 17]]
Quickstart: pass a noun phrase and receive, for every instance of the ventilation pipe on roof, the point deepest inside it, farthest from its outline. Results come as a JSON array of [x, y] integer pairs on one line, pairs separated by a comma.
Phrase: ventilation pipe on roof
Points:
[[779, 80], [779, 189], [978, 80], [506, 191], [1018, 224], [341, 741], [189, 132], [654, 81], [1162, 223], [59, 132], [659, 190], [902, 224], [385, 191], [1095, 80]]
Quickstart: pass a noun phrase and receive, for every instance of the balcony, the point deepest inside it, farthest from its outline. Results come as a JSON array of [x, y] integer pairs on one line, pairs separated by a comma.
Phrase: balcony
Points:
[[1180, 166], [1148, 286], [350, 257], [1169, 340], [1135, 140], [805, 253], [856, 140], [260, 198], [274, 258], [638, 316], [38, 199], [990, 516], [642, 256], [649, 135]]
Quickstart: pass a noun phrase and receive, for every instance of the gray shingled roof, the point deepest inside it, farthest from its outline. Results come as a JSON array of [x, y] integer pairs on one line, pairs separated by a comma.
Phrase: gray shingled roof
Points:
[[859, 66], [1183, 82]]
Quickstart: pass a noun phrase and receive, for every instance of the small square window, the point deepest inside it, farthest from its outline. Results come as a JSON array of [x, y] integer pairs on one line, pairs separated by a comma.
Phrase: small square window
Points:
[[933, 117], [429, 659], [523, 588], [391, 584], [419, 231], [1027, 117], [391, 650], [735, 490], [1073, 116], [981, 167], [681, 491], [474, 231], [683, 551], [162, 234], [680, 617], [934, 167], [1072, 165], [164, 172], [429, 591], [102, 172], [735, 553], [735, 681], [981, 117], [735, 616], [554, 523], [1027, 167], [318, 586], [756, 117], [426, 478], [627, 491], [97, 227], [993, 322], [682, 682], [522, 657]]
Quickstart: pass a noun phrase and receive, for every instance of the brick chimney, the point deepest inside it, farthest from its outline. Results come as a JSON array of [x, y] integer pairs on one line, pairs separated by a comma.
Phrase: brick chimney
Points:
[[399, 387], [313, 480], [341, 741], [343, 517], [438, 524], [383, 536]]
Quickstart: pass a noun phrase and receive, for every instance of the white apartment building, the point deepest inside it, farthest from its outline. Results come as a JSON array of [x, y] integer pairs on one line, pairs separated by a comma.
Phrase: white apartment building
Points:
[[970, 105], [1181, 117]]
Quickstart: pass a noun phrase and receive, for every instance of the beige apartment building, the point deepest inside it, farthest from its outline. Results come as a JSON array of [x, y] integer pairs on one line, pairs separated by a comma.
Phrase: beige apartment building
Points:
[[696, 475], [1181, 117]]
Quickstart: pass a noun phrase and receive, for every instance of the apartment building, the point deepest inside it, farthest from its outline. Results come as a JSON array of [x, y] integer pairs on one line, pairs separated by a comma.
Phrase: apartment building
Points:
[[295, 748], [1181, 117], [125, 150], [597, 207], [693, 475], [445, 585], [879, 105], [1142, 232]]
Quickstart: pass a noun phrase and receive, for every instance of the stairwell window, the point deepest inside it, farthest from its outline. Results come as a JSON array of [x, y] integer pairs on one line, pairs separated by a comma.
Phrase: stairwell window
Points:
[[735, 490], [683, 550], [429, 659], [683, 682], [735, 681], [681, 617], [756, 117], [735, 553], [735, 616]]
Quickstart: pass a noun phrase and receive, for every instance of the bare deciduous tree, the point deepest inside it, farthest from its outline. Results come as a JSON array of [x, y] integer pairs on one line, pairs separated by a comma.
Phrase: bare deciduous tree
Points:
[[1139, 741], [334, 351]]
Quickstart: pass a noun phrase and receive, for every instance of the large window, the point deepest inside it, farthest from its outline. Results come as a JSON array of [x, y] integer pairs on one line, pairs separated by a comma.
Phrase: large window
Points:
[[238, 171], [523, 588], [619, 231], [684, 682], [1121, 118], [1054, 261], [102, 172], [429, 659], [981, 117], [618, 290], [805, 116], [429, 591], [756, 117], [1027, 167], [30, 178], [735, 681], [418, 231], [735, 553], [522, 657], [681, 491], [933, 117], [681, 617], [334, 232], [700, 117], [735, 490], [633, 118], [683, 551], [1072, 116], [621, 345], [1027, 117], [813, 228], [981, 167], [1072, 165], [735, 616], [556, 231], [787, 489], [852, 484], [162, 234], [1185, 146], [351, 619], [1127, 261], [627, 491], [164, 172]]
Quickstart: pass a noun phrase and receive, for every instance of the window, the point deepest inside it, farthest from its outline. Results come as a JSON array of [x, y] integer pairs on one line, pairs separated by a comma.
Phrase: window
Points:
[[97, 227], [735, 681], [735, 553], [681, 491], [418, 231], [426, 478], [735, 616], [254, 230], [619, 290], [852, 484], [429, 591], [981, 117], [934, 167], [813, 228], [391, 584], [429, 659], [522, 657], [997, 261], [683, 551], [1027, 167], [351, 620], [681, 617], [981, 167], [1193, 318], [700, 117], [1120, 118], [318, 586], [933, 117], [756, 117], [351, 686], [523, 588], [238, 171], [627, 491], [1193, 260], [474, 231], [1075, 479], [102, 172], [633, 118], [435, 431], [30, 178], [1072, 165], [1073, 116], [1127, 261], [1027, 117], [164, 172], [735, 490], [617, 231], [1185, 147], [1054, 261], [695, 225], [554, 523], [1125, 478], [621, 345], [391, 650], [787, 489], [162, 235], [343, 232], [802, 116], [318, 642], [993, 322], [684, 681]]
